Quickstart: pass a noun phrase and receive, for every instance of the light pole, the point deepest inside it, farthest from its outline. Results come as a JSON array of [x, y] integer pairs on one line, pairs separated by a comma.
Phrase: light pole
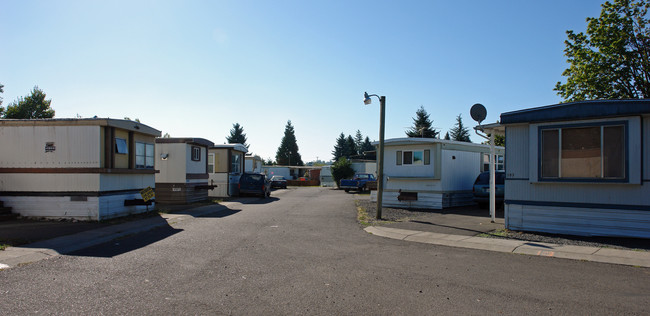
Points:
[[380, 157]]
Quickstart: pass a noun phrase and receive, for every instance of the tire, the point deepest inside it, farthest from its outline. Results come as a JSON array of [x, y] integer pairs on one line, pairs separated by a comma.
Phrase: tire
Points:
[[347, 190]]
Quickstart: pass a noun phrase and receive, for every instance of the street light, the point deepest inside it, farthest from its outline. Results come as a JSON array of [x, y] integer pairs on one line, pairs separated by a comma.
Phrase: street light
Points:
[[380, 158]]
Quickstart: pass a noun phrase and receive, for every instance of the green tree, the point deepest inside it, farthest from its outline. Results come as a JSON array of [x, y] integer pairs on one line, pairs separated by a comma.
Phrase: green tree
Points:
[[33, 106], [499, 140], [459, 132], [612, 60], [366, 147], [447, 136], [237, 135], [350, 147], [341, 169], [422, 125], [358, 143], [287, 154], [339, 147], [269, 162]]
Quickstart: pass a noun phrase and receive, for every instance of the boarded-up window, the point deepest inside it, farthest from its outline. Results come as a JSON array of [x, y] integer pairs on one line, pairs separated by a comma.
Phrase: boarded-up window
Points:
[[585, 152]]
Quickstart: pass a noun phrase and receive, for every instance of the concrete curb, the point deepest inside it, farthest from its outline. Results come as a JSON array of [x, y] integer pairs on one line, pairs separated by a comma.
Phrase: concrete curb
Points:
[[16, 256], [595, 254]]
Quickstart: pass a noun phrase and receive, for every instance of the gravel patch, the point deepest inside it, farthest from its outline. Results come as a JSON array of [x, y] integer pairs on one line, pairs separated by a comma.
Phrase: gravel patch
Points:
[[391, 215]]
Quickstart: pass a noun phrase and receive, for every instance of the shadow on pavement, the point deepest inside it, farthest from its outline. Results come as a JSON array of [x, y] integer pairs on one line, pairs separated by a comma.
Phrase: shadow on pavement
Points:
[[257, 200], [127, 244]]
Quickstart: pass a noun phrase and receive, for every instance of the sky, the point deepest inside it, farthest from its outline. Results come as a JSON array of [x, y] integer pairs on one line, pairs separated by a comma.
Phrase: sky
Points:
[[194, 68]]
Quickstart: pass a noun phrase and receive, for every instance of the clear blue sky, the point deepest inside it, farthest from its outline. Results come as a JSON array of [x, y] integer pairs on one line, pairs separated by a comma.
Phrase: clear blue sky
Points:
[[193, 68]]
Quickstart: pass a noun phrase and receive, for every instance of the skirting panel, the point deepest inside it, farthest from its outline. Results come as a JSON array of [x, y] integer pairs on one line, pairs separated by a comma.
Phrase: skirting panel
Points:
[[180, 193], [578, 221]]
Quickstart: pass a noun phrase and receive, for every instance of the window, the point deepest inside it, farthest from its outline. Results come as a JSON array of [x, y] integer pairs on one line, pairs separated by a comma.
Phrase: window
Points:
[[120, 146], [498, 162], [235, 165], [211, 163], [144, 155], [413, 157], [583, 152], [196, 153]]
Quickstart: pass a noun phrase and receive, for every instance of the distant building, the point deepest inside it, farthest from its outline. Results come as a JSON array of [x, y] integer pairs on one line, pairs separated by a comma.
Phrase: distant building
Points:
[[86, 169]]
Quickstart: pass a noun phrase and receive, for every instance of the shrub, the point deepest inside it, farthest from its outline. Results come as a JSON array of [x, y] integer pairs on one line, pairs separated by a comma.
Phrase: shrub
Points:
[[341, 169]]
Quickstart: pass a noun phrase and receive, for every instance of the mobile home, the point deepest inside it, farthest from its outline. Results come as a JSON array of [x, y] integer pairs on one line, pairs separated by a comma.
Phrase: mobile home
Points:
[[85, 169], [225, 166], [579, 168], [430, 173]]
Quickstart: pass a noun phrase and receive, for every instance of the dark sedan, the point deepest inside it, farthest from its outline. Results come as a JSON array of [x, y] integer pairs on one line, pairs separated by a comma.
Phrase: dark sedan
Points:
[[278, 182], [482, 188]]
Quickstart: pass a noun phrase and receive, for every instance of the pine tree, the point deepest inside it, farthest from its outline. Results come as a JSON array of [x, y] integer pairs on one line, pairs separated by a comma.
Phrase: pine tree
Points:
[[358, 143], [2, 110], [339, 147], [350, 147], [367, 146], [237, 135], [459, 132], [287, 154], [447, 136], [422, 125]]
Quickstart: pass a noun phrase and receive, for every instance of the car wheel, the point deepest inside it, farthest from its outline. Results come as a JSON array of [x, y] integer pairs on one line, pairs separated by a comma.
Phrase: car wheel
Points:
[[347, 190]]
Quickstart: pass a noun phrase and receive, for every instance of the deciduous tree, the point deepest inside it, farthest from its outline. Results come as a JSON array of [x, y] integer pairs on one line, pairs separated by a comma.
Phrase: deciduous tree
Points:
[[612, 59], [33, 106]]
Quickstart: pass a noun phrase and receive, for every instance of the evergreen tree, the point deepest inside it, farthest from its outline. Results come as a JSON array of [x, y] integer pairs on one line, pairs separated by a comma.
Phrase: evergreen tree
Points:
[[33, 106], [350, 147], [2, 110], [237, 135], [447, 136], [422, 125], [366, 146], [339, 147], [287, 154], [358, 143], [459, 132]]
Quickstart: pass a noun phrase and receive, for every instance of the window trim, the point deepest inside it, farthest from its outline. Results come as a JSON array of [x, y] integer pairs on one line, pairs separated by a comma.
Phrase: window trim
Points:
[[196, 156], [626, 132], [125, 146], [146, 154], [425, 161]]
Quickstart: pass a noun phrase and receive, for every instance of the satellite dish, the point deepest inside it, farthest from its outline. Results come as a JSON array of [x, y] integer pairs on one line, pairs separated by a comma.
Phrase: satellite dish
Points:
[[478, 112]]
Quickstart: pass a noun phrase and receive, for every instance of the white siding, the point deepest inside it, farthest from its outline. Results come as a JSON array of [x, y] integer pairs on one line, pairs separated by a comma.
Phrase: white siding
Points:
[[517, 152], [75, 146], [49, 182], [425, 200], [459, 170], [221, 180], [196, 166], [115, 182], [579, 221], [392, 169], [53, 207], [646, 149], [111, 206]]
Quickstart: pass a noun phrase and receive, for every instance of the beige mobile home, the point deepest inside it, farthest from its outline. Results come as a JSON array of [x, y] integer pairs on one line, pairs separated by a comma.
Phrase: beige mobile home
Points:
[[86, 169], [225, 166], [182, 165]]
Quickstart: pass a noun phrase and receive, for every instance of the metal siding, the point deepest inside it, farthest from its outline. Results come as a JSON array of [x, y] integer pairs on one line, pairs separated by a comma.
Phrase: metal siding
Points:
[[196, 166], [114, 182], [581, 221], [392, 169], [603, 193], [461, 172], [173, 169], [53, 207], [113, 206], [221, 180], [49, 182], [646, 149], [413, 185], [425, 200], [517, 153], [24, 147]]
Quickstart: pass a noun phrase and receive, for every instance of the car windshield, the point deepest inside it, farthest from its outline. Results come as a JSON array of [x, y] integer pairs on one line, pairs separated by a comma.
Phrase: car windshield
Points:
[[277, 178], [253, 177]]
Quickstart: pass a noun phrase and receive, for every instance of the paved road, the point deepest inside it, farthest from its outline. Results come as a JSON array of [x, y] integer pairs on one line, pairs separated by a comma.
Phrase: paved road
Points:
[[302, 252]]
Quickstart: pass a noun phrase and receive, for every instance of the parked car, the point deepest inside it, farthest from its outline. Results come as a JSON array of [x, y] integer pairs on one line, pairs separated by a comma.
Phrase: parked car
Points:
[[278, 182], [358, 182], [255, 183], [481, 188]]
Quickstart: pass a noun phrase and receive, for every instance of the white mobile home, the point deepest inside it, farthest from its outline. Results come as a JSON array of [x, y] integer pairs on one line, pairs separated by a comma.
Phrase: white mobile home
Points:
[[430, 173], [225, 166], [253, 163], [182, 165], [86, 169], [579, 168]]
